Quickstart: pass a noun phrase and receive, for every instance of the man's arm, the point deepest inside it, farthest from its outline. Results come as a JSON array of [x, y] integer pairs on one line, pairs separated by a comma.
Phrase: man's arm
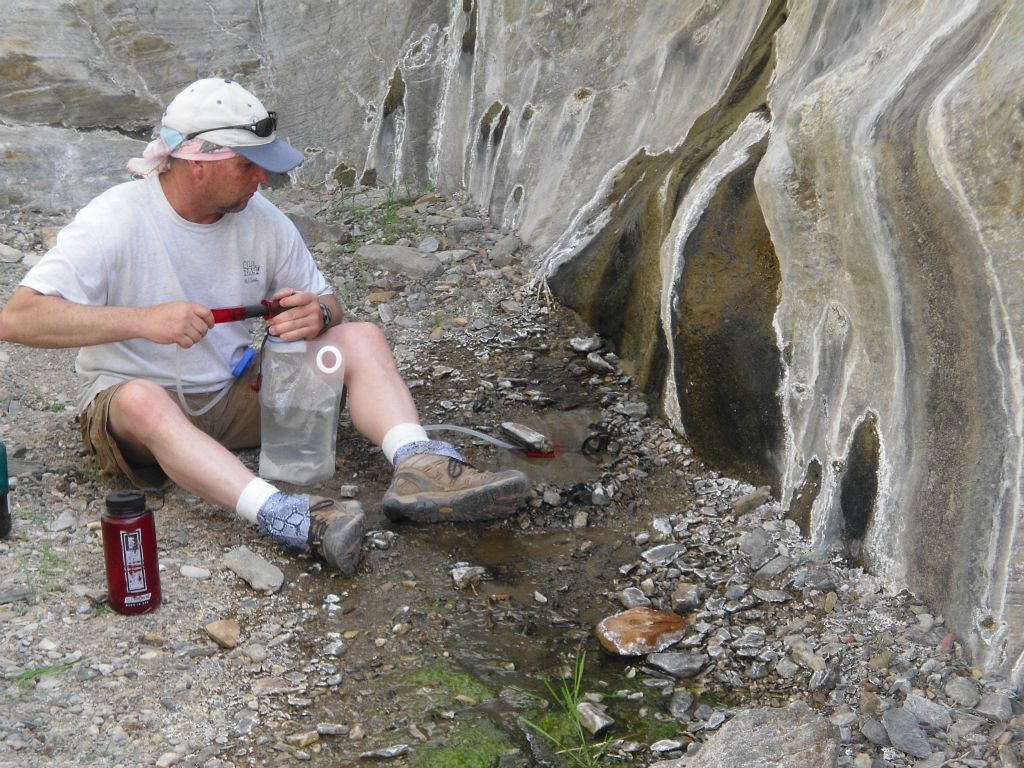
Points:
[[37, 320]]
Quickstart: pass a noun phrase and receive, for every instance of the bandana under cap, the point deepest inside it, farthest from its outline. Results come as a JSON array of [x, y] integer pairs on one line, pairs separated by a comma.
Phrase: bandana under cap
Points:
[[170, 143]]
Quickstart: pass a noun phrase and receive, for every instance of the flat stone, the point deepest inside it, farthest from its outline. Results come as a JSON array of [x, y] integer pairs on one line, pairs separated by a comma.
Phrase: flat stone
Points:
[[271, 686], [65, 521], [664, 554], [387, 753], [632, 597], [15, 595], [466, 224], [504, 249], [401, 260], [640, 631], [996, 706], [332, 729], [757, 545], [302, 739], [586, 345], [680, 703], [873, 730], [752, 500], [795, 737], [905, 733], [772, 568], [428, 245], [927, 711], [467, 575], [772, 595], [963, 691], [195, 572], [224, 632], [449, 258], [679, 664], [256, 571], [9, 255]]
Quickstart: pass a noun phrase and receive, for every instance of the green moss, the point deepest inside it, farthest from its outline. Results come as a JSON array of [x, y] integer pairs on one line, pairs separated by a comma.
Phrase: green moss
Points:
[[451, 682], [471, 745], [559, 726], [656, 730]]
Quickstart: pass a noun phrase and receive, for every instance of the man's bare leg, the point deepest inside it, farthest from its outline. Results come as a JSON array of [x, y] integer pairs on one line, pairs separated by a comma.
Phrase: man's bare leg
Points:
[[149, 426]]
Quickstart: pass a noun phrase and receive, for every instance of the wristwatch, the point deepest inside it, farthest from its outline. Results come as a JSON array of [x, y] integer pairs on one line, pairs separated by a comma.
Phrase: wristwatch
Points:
[[325, 315]]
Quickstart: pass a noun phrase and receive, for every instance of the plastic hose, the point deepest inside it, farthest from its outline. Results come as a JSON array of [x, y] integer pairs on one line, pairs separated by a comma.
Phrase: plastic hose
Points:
[[181, 395], [474, 433]]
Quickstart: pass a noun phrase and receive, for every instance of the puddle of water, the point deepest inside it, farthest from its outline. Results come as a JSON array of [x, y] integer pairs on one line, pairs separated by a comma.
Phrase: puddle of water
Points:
[[568, 429], [520, 564]]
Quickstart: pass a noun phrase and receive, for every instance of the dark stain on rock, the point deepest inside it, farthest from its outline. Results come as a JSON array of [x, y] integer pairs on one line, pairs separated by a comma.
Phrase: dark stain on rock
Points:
[[395, 99], [727, 363], [804, 497], [345, 175], [392, 120], [858, 488], [469, 36]]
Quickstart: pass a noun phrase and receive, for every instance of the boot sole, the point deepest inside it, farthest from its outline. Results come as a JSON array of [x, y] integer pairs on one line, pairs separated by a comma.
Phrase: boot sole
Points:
[[342, 545], [472, 505]]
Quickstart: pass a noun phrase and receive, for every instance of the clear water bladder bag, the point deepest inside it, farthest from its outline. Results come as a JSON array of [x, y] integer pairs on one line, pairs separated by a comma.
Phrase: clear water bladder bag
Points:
[[299, 402]]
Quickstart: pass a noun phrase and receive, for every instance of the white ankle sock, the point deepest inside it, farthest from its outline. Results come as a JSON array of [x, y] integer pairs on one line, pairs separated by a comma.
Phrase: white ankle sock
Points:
[[402, 434], [253, 497]]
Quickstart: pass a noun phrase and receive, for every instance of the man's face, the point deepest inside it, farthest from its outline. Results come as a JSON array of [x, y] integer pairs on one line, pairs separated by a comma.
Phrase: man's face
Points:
[[230, 184]]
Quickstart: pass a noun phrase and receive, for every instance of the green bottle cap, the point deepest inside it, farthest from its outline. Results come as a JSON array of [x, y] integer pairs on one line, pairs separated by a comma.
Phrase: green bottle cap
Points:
[[4, 486]]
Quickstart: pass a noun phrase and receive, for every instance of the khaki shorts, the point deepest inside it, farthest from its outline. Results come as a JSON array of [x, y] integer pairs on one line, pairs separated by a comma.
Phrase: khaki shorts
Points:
[[234, 422]]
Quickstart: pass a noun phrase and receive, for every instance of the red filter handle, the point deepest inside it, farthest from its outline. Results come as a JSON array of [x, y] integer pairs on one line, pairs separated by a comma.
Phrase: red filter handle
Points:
[[266, 308]]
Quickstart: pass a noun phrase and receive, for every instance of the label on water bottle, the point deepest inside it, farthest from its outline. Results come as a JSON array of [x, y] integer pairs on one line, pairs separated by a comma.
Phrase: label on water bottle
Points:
[[134, 566]]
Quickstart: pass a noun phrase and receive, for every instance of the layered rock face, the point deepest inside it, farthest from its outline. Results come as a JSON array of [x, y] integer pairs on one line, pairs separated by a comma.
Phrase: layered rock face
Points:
[[799, 223]]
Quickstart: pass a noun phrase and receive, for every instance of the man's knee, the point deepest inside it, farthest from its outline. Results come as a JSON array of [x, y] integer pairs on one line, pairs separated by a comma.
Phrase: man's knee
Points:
[[141, 402], [362, 340]]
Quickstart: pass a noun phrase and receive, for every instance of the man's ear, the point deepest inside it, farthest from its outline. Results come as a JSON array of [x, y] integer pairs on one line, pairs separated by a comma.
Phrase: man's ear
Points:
[[196, 169]]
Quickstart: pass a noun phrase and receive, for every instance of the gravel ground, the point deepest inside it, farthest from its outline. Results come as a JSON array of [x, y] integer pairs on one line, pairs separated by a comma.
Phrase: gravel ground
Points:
[[328, 670]]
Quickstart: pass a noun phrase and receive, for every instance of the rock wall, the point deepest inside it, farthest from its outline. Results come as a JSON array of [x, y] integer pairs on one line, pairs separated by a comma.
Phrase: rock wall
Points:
[[799, 223]]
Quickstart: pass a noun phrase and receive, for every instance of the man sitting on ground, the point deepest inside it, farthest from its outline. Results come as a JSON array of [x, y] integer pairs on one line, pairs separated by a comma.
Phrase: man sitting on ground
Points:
[[131, 281]]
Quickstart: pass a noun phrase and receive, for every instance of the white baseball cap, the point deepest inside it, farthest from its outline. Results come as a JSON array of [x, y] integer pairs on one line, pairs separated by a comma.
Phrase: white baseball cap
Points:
[[222, 112]]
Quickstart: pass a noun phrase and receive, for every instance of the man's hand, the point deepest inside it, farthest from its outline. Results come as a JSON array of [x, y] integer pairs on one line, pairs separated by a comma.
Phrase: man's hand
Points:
[[300, 317], [177, 322]]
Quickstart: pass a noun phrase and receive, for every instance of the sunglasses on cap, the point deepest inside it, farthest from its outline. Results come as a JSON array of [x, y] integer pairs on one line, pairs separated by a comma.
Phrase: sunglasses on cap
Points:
[[261, 128]]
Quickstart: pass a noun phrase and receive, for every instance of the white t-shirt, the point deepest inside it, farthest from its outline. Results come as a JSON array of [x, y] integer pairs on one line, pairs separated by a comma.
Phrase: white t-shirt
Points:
[[129, 247]]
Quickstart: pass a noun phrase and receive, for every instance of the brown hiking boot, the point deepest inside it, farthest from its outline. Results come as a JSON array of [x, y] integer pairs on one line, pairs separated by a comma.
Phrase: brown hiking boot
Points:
[[428, 489], [336, 532]]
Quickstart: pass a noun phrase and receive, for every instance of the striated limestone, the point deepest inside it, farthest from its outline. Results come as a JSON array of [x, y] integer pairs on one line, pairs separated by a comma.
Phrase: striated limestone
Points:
[[798, 223], [891, 189]]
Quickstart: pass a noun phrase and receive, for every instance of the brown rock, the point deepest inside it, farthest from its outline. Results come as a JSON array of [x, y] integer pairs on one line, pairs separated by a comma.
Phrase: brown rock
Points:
[[303, 739], [751, 501], [224, 632], [640, 630]]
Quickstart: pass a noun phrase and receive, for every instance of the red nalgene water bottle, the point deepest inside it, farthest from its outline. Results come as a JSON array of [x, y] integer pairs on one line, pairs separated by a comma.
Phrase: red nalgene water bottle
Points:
[[129, 548]]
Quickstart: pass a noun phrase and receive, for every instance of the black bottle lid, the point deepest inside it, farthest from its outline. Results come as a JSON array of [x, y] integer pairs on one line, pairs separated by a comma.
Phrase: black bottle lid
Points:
[[124, 503]]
